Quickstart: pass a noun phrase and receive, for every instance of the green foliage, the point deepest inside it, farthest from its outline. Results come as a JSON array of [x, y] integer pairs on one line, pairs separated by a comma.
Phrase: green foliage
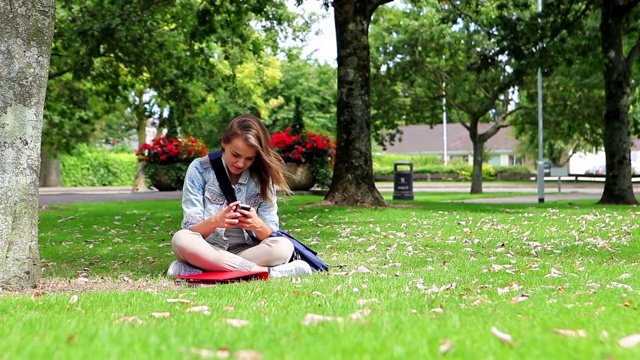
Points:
[[88, 166], [315, 85], [383, 164], [518, 169], [166, 177], [432, 164], [573, 101], [488, 172], [162, 59]]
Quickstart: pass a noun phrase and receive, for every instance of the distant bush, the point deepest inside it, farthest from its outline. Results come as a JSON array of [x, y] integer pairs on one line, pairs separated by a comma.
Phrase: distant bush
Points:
[[488, 172], [432, 164], [516, 169], [383, 164], [88, 166]]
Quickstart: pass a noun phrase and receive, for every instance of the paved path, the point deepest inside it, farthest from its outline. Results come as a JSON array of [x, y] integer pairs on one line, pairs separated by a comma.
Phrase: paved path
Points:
[[54, 196]]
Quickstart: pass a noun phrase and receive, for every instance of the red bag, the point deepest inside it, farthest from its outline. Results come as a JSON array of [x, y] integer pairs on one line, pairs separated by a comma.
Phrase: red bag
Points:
[[213, 277]]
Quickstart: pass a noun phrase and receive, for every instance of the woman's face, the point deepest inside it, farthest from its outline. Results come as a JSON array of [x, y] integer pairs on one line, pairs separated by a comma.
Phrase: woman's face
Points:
[[238, 155]]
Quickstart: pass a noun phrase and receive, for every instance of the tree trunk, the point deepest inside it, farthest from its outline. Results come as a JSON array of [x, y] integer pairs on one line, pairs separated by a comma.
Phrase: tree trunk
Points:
[[353, 182], [26, 33], [476, 175], [140, 116], [618, 187], [49, 171], [139, 181]]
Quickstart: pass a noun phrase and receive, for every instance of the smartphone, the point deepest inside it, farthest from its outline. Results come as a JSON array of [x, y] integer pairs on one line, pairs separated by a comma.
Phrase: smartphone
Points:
[[244, 207]]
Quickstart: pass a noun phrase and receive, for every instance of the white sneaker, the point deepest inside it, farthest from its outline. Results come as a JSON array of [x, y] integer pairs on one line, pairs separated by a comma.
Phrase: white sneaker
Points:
[[181, 268], [294, 268]]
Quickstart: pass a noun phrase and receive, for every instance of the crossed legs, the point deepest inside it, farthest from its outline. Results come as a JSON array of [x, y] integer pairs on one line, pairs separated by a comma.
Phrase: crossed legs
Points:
[[190, 247]]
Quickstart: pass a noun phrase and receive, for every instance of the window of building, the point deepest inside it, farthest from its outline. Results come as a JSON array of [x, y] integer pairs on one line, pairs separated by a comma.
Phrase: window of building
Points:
[[516, 160]]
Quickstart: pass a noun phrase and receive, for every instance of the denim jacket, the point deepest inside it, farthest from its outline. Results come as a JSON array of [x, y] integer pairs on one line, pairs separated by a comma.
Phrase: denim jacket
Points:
[[202, 198]]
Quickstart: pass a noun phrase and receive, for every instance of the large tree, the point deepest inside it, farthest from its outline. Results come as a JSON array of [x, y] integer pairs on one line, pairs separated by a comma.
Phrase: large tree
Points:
[[425, 65], [618, 17], [573, 105], [26, 32], [176, 50], [353, 182]]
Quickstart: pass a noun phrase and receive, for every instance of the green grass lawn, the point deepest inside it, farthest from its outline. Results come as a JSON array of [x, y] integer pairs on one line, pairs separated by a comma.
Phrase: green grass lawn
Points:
[[423, 279]]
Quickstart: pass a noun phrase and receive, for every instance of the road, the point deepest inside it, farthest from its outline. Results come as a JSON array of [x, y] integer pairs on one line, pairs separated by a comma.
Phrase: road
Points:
[[58, 195]]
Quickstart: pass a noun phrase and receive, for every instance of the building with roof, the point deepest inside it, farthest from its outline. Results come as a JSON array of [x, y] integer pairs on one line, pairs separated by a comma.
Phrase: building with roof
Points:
[[427, 140], [503, 148]]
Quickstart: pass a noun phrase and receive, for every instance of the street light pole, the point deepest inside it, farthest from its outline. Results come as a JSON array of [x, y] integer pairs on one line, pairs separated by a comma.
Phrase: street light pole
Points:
[[444, 122], [540, 151]]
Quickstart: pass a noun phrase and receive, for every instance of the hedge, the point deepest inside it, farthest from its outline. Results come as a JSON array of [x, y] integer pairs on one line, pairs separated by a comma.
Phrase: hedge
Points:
[[87, 167], [100, 167]]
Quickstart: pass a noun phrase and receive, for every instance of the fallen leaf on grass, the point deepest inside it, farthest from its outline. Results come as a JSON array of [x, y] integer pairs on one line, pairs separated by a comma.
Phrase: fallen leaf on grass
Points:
[[208, 353], [627, 303], [237, 322], [184, 301], [163, 315], [360, 314], [130, 320], [365, 301], [446, 346], [581, 333], [362, 269], [200, 309], [314, 319], [553, 273], [614, 285], [630, 341], [504, 337], [519, 298], [73, 300], [496, 267], [247, 355]]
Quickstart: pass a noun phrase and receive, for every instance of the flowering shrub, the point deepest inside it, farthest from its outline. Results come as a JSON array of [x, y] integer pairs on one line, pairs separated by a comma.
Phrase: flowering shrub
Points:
[[166, 160], [307, 148]]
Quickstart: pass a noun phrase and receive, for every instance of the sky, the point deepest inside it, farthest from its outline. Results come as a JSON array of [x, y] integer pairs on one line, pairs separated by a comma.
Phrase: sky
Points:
[[322, 39]]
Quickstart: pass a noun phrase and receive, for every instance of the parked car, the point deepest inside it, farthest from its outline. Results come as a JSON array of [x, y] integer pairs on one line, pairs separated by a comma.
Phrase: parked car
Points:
[[597, 170]]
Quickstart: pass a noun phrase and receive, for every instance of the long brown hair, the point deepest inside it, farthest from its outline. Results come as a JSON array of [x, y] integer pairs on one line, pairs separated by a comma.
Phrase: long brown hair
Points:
[[268, 165]]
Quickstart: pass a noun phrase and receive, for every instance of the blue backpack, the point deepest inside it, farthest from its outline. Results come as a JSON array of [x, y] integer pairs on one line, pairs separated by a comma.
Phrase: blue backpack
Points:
[[300, 251]]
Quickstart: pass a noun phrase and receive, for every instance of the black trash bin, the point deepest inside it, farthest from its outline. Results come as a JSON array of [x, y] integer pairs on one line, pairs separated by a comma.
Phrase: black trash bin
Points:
[[402, 181]]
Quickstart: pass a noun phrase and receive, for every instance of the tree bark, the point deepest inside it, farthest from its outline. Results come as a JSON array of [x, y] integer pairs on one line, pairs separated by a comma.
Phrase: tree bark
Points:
[[353, 182], [476, 175], [618, 187], [26, 34], [139, 114], [49, 171]]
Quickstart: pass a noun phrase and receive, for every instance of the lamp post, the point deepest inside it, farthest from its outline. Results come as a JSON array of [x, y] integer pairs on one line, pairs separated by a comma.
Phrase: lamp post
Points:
[[540, 151], [444, 122]]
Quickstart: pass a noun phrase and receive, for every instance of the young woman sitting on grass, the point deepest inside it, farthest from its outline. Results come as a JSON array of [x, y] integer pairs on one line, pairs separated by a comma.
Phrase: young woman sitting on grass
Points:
[[215, 235]]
